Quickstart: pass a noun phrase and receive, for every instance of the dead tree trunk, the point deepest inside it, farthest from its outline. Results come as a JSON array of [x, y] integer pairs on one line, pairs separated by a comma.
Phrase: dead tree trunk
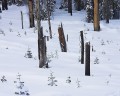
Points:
[[41, 53], [82, 47], [96, 16], [87, 59], [106, 11], [41, 45], [6, 4], [22, 19], [45, 53], [62, 39], [78, 5], [3, 5], [70, 7], [49, 23], [0, 10], [42, 49], [13, 1], [31, 15], [38, 26]]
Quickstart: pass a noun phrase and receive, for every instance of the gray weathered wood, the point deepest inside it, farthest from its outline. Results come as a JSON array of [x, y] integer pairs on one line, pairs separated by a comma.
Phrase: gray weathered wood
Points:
[[87, 59]]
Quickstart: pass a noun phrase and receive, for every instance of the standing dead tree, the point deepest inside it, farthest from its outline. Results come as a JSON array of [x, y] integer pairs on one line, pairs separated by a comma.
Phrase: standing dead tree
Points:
[[41, 40], [42, 49], [87, 59], [82, 47], [22, 19], [70, 7], [4, 5], [96, 16], [106, 10], [78, 5], [31, 14], [48, 12], [62, 40]]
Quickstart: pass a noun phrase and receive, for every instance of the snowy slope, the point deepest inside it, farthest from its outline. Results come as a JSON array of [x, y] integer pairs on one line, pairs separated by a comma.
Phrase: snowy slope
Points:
[[104, 79]]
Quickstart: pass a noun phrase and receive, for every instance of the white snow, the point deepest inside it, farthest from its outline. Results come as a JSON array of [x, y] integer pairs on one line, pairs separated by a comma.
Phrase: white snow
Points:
[[105, 76]]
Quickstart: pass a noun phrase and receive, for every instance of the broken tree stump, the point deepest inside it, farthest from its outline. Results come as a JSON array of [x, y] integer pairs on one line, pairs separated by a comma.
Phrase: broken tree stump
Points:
[[87, 59], [62, 39]]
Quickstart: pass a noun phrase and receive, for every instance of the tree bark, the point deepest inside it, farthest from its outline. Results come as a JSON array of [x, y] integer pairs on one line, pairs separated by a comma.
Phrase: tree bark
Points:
[[62, 39], [0, 10], [49, 23], [31, 15], [106, 10], [13, 1], [22, 19], [6, 4], [82, 47], [70, 7], [87, 59], [96, 16], [3, 5], [78, 5]]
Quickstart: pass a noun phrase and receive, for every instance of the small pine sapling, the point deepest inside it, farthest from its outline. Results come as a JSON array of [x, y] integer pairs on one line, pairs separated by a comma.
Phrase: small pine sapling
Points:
[[52, 80], [96, 61], [10, 30], [18, 34], [93, 50], [28, 54], [78, 83], [68, 80], [19, 82], [10, 23], [110, 75], [102, 42], [56, 54], [25, 33], [27, 93], [103, 52], [20, 87], [107, 82], [3, 79], [2, 32]]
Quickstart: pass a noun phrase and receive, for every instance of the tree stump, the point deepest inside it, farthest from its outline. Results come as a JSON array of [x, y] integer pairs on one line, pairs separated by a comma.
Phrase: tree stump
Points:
[[87, 59]]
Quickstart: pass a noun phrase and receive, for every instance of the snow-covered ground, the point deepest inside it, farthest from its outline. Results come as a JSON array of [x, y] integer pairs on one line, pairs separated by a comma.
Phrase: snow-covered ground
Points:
[[14, 44]]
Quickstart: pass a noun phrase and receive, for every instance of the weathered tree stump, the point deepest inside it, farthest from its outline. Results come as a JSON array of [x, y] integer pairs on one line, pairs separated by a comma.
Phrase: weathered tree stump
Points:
[[82, 47], [62, 39], [87, 59]]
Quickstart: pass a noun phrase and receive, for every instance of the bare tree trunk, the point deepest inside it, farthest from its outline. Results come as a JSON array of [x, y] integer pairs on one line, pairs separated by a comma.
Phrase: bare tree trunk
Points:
[[6, 4], [22, 19], [41, 39], [87, 59], [0, 10], [82, 47], [70, 7], [106, 11], [49, 23], [78, 5], [42, 55], [96, 16], [45, 53], [62, 39], [3, 5], [13, 1], [31, 15]]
